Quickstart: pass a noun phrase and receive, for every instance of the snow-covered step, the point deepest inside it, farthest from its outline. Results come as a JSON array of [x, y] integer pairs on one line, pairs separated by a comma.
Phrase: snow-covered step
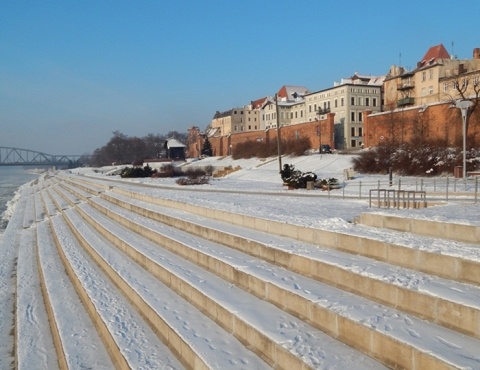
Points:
[[439, 229], [77, 340], [67, 196], [75, 191], [282, 339], [131, 342], [59, 202], [8, 280], [435, 256], [448, 303], [88, 187], [39, 206], [34, 344], [51, 208], [29, 216], [164, 307]]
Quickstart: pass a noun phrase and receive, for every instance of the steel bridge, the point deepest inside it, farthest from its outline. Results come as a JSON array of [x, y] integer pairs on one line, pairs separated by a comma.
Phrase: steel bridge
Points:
[[25, 157]]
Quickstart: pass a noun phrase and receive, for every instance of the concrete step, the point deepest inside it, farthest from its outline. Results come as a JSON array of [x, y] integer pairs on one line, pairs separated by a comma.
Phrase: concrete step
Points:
[[225, 303], [32, 320], [371, 279], [130, 341], [322, 315], [445, 230], [449, 266], [187, 338], [9, 244], [77, 341]]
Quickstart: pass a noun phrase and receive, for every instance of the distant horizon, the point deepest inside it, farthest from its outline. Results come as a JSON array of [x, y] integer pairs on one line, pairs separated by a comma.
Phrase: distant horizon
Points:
[[74, 72]]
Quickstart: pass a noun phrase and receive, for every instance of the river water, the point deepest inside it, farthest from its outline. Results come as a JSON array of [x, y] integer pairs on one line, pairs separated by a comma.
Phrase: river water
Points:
[[11, 178]]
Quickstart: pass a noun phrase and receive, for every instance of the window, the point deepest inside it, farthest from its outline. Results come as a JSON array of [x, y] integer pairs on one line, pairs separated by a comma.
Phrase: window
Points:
[[309, 109], [352, 101], [301, 113], [296, 114], [430, 90], [374, 102], [424, 91], [475, 81], [353, 116], [249, 127], [336, 103], [360, 131], [352, 131], [360, 100], [424, 76], [342, 102], [430, 74], [367, 102], [360, 116], [445, 86]]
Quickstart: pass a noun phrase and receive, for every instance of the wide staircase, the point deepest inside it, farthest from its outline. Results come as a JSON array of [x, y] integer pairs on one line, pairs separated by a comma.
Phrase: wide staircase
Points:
[[99, 276]]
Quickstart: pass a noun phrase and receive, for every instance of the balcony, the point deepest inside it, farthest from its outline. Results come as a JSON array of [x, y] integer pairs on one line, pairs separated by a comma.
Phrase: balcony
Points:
[[406, 85], [321, 111], [406, 101]]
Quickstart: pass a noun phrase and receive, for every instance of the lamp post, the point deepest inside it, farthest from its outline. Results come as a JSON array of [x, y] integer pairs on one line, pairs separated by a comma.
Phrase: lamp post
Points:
[[463, 105], [278, 135], [319, 130]]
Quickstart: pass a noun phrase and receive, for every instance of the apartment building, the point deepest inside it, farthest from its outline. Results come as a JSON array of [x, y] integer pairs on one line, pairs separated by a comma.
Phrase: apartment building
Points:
[[432, 81], [235, 120], [348, 99]]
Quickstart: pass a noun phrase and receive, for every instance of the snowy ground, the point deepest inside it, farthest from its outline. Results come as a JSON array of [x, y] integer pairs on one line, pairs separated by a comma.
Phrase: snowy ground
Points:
[[255, 190], [320, 208]]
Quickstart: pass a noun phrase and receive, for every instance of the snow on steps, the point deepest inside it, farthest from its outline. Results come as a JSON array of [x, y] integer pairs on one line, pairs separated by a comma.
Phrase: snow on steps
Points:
[[195, 339], [453, 350], [455, 312], [75, 336], [369, 279], [251, 320], [440, 264], [130, 341], [325, 314]]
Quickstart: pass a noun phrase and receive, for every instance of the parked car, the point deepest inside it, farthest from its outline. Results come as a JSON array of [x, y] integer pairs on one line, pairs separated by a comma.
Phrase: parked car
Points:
[[325, 148]]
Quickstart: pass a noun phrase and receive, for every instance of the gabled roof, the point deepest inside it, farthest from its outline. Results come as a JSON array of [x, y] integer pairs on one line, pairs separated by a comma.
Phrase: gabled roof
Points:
[[173, 143], [257, 104], [433, 54], [289, 93]]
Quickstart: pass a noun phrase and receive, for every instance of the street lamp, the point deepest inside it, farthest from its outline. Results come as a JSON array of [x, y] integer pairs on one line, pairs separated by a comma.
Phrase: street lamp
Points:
[[463, 105], [319, 130], [278, 134]]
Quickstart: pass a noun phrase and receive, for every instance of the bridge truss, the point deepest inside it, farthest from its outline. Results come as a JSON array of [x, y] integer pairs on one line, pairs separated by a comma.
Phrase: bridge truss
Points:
[[24, 157]]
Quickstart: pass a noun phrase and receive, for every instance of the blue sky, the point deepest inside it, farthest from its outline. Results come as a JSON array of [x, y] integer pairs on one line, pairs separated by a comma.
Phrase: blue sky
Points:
[[73, 72]]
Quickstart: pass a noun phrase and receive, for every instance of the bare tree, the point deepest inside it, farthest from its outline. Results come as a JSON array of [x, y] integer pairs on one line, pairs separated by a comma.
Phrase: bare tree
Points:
[[463, 92]]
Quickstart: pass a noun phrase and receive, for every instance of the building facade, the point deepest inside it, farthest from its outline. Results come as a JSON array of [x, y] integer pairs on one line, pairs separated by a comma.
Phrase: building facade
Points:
[[349, 100], [432, 81]]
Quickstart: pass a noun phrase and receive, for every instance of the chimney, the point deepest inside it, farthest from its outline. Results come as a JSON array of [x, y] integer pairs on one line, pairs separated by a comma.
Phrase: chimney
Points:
[[476, 53]]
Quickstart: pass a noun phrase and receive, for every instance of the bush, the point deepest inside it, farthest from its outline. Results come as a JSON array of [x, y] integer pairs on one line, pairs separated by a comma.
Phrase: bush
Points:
[[261, 149], [165, 171], [194, 176], [428, 159], [133, 172]]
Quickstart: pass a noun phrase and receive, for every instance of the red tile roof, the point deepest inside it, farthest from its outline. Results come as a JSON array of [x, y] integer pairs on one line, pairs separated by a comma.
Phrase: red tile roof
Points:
[[434, 53]]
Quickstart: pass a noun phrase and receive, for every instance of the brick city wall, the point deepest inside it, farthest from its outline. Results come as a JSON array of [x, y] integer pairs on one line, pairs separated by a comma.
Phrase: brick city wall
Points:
[[225, 145], [435, 122]]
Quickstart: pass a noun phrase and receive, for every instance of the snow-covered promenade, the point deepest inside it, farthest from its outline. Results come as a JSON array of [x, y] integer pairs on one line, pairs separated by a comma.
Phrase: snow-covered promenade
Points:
[[100, 273]]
